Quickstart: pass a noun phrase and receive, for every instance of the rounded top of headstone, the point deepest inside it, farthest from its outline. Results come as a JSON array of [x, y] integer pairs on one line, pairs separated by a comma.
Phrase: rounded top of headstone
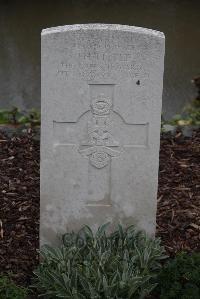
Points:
[[114, 27]]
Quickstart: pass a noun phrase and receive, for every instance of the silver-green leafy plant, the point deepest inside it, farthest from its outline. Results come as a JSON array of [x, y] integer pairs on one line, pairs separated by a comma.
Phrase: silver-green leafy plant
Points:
[[123, 264]]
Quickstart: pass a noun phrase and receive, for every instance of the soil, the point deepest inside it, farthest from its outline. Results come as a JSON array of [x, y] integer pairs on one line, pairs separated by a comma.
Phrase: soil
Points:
[[178, 215], [19, 202]]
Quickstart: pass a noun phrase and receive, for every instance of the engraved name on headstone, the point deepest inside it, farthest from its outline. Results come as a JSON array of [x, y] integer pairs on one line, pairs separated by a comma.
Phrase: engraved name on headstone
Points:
[[101, 109]]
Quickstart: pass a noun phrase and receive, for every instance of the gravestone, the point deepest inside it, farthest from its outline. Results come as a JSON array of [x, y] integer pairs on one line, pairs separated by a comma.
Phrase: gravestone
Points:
[[100, 133]]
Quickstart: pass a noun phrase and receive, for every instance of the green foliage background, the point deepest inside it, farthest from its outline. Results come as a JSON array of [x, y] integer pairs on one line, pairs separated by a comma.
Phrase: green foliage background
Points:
[[16, 117], [180, 278], [9, 290]]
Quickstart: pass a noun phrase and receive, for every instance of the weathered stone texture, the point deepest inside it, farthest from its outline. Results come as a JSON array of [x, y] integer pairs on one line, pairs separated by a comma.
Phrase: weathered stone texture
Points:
[[101, 110]]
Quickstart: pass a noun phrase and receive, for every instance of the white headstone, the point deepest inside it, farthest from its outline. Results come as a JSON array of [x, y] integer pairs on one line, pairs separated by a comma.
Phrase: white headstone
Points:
[[101, 111]]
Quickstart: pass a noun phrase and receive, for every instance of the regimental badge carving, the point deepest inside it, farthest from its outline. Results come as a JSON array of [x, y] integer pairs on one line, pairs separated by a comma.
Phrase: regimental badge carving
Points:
[[100, 145], [99, 158], [101, 105]]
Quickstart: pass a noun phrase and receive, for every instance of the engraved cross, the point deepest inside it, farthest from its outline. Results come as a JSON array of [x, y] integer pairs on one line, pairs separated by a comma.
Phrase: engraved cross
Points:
[[106, 135]]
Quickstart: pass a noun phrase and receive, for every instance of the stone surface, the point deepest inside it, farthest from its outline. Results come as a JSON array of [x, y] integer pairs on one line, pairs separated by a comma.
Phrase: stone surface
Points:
[[101, 111]]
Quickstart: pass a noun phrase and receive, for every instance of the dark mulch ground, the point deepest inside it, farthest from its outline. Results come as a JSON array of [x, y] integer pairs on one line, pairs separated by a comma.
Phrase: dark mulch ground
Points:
[[19, 202], [178, 217]]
